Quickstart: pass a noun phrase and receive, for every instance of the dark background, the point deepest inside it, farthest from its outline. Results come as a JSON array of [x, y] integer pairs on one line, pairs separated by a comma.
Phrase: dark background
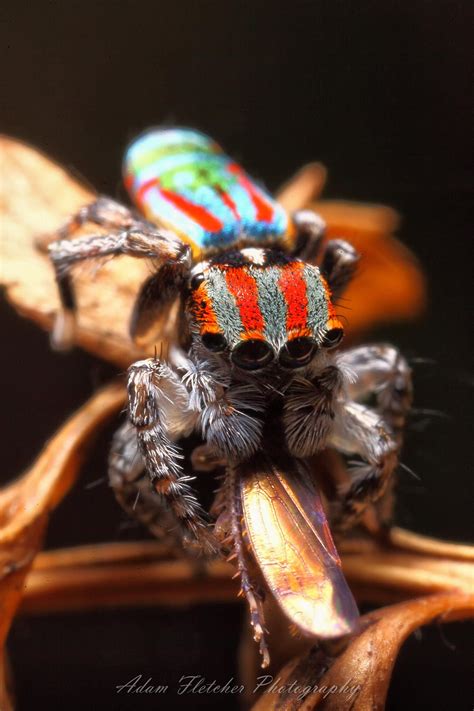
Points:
[[376, 90]]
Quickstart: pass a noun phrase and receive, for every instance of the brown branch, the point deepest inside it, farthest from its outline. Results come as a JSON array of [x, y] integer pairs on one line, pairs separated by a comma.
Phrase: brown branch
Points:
[[25, 505]]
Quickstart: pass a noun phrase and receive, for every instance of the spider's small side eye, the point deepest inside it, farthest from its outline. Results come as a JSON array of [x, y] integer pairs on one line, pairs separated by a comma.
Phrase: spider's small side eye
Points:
[[196, 281], [214, 342], [297, 352], [332, 338]]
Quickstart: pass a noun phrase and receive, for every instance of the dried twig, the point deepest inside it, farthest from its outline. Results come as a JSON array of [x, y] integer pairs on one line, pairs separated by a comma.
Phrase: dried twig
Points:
[[147, 573]]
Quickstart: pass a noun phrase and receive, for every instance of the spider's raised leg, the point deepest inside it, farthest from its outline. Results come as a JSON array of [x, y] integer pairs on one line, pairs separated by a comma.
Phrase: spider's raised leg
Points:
[[339, 258], [159, 412], [104, 212], [172, 257]]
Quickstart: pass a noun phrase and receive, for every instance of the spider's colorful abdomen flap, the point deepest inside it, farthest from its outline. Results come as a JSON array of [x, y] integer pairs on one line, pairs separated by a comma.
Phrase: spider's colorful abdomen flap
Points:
[[182, 180]]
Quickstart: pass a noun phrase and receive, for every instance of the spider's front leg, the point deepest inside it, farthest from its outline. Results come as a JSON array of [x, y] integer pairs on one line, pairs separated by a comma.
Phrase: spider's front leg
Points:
[[310, 229], [357, 429], [159, 411], [379, 373], [380, 370], [131, 486]]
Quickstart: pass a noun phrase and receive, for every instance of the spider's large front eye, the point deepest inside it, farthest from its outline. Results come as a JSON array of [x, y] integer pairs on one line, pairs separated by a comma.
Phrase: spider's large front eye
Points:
[[252, 354], [214, 342], [297, 352], [332, 338]]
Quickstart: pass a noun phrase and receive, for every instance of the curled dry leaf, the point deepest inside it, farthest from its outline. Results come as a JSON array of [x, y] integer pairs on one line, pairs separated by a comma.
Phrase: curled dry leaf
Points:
[[358, 679]]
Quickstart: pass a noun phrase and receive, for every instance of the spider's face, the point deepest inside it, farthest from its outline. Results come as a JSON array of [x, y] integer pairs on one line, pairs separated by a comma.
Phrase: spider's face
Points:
[[259, 307]]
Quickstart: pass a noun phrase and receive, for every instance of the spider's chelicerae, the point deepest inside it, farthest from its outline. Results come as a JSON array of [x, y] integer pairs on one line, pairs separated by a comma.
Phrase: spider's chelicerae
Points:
[[254, 369]]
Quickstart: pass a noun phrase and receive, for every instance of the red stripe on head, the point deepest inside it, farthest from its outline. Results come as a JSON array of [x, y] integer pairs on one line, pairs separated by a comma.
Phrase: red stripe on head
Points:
[[293, 287], [244, 289]]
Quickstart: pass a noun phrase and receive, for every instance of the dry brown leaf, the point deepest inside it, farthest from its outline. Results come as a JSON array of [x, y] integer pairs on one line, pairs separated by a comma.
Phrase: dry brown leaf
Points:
[[36, 198], [389, 285]]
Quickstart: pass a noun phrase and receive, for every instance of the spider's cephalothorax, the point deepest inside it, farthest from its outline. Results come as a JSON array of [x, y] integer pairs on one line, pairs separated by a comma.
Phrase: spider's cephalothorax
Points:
[[262, 307], [256, 373]]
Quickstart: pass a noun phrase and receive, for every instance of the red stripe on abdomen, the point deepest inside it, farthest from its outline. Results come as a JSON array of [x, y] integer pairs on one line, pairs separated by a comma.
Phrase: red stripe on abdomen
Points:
[[293, 287], [143, 189], [264, 209], [244, 289], [197, 213], [227, 200]]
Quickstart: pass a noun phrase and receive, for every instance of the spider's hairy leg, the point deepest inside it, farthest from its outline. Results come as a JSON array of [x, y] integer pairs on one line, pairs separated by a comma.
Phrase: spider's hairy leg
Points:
[[131, 486], [103, 211], [136, 241], [338, 265], [380, 370], [309, 410], [359, 430], [310, 229], [159, 412]]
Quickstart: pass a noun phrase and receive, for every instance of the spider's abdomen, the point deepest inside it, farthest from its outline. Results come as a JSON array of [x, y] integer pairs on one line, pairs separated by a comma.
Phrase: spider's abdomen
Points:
[[180, 179]]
